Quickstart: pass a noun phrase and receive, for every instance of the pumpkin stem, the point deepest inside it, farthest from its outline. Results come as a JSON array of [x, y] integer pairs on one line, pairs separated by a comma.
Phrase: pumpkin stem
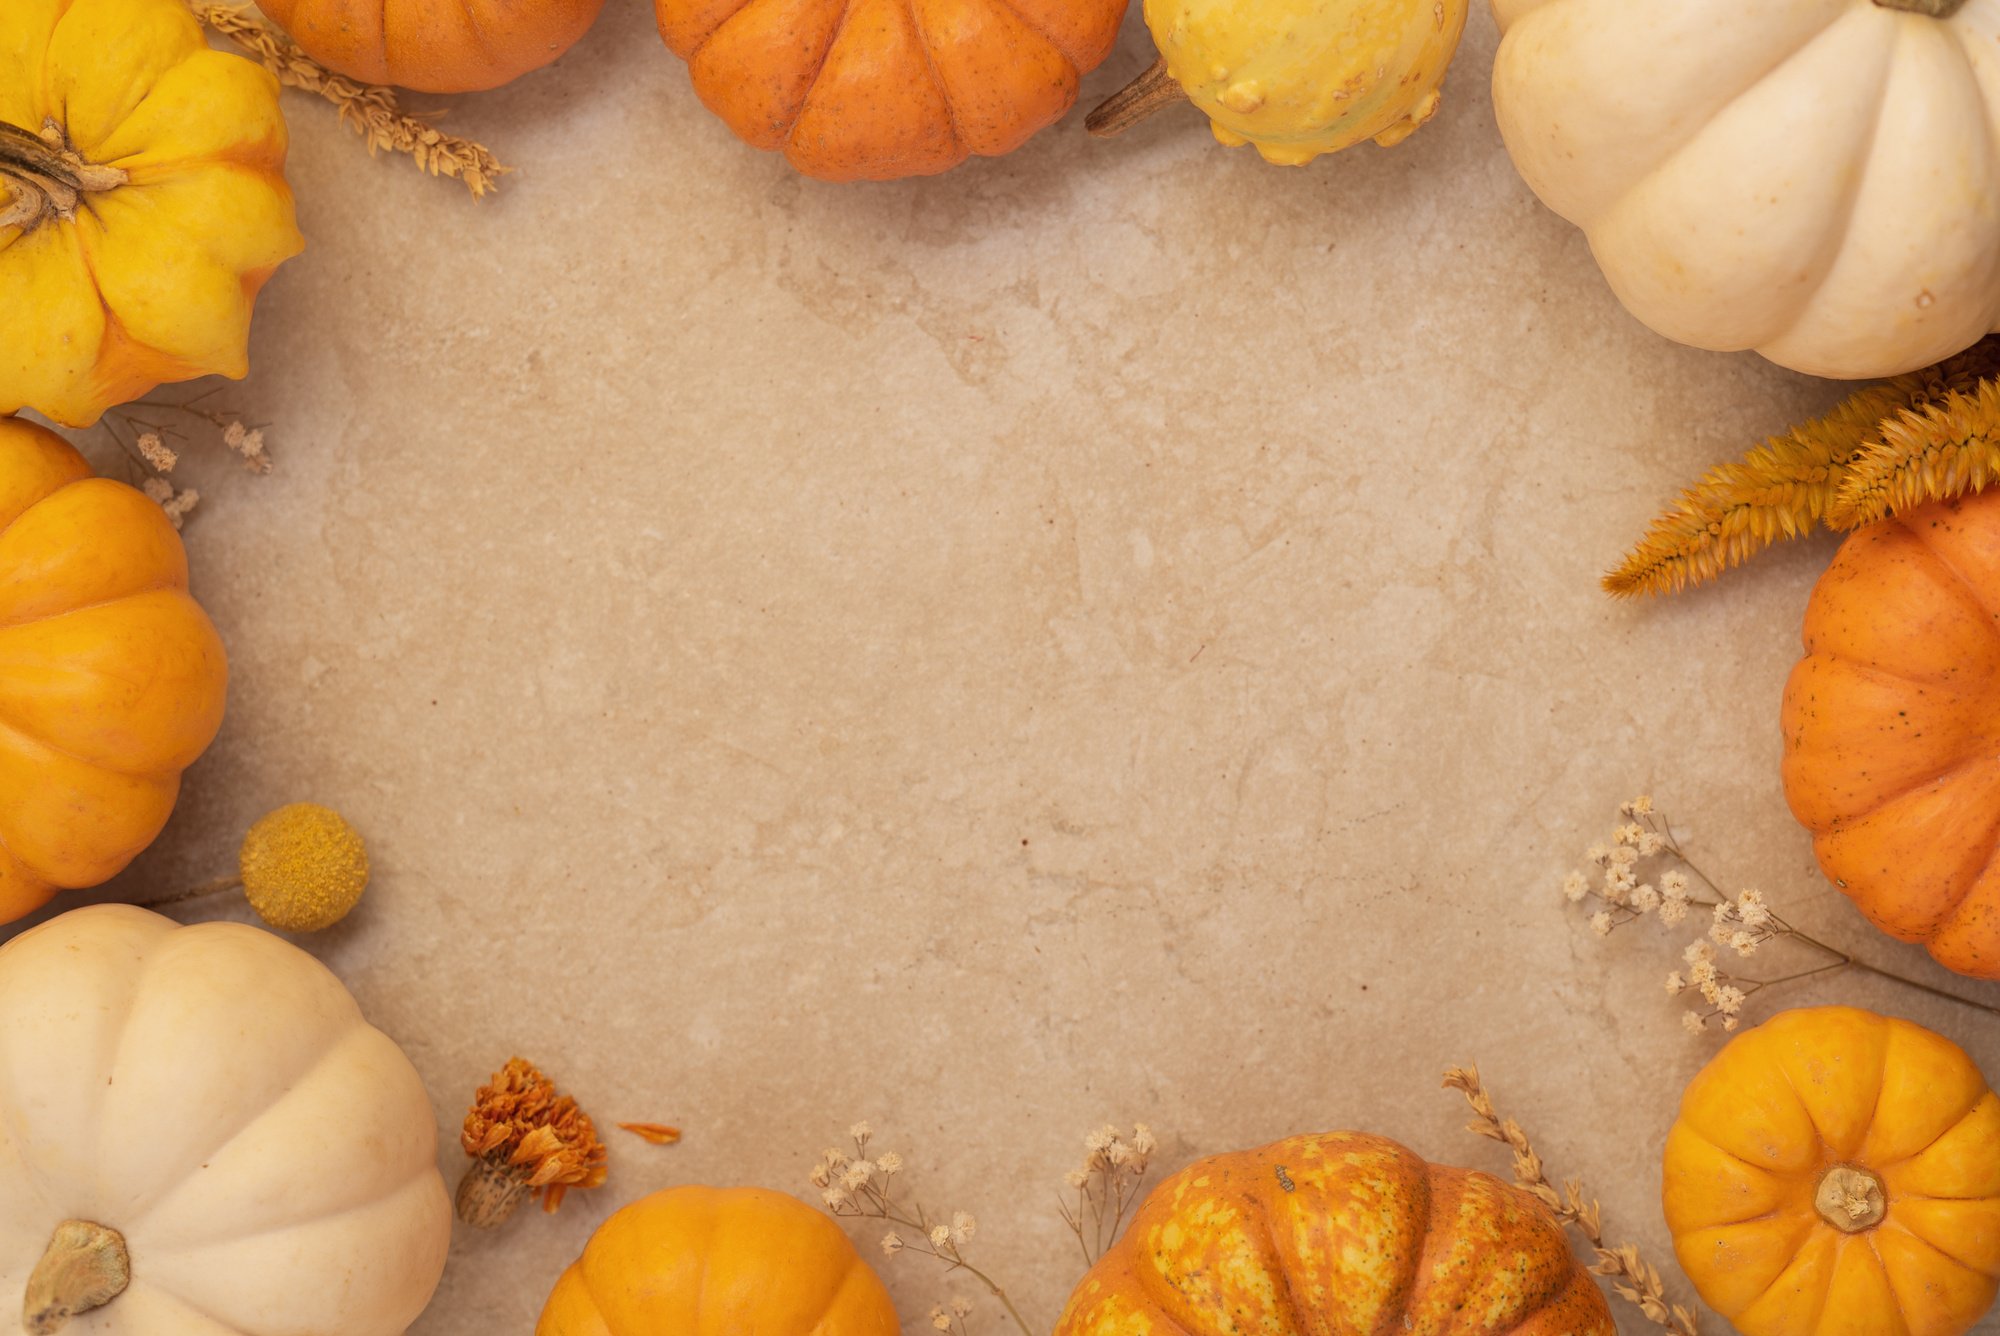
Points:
[[489, 1193], [46, 176], [1136, 101], [1851, 1199], [86, 1266], [1937, 9]]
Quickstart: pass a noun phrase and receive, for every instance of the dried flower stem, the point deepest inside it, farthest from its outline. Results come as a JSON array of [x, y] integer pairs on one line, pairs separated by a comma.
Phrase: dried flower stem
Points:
[[1742, 924], [372, 110], [1634, 1279], [1106, 1186], [863, 1188]]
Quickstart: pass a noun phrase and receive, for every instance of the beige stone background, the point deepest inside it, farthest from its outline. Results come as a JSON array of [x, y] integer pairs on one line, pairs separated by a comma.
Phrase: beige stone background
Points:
[[1107, 634]]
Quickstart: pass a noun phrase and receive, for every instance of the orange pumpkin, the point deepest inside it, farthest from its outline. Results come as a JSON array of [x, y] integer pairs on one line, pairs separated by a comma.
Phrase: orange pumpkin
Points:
[[1342, 1232], [878, 89], [111, 676], [434, 46], [1837, 1173], [712, 1262], [1892, 728]]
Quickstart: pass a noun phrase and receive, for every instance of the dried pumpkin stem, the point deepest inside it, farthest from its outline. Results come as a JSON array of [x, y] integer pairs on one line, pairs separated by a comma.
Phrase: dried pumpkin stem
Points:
[[1149, 93], [46, 177], [1851, 1199], [86, 1267], [1937, 9], [372, 110], [1634, 1279]]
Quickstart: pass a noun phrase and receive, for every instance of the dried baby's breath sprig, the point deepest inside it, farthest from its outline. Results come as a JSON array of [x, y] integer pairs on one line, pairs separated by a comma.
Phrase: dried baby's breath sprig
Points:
[[1634, 1279], [1106, 1185], [1642, 871], [524, 1137], [863, 1186], [373, 111], [178, 504], [1929, 434]]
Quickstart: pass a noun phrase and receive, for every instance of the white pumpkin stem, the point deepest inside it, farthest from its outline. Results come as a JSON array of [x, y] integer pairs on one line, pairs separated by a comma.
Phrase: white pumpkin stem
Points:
[[86, 1266], [46, 177], [1136, 101], [1851, 1199], [1937, 9], [489, 1193]]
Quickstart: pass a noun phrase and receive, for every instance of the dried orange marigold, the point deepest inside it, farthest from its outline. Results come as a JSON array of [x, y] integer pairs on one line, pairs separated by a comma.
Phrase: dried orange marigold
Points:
[[524, 1137]]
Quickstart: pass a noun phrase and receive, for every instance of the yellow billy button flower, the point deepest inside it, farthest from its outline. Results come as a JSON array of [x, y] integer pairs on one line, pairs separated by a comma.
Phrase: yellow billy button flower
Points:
[[303, 867]]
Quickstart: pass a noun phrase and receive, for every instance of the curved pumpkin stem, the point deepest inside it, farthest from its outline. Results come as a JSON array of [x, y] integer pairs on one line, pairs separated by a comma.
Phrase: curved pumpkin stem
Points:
[[86, 1267], [1937, 9], [46, 177], [1136, 101]]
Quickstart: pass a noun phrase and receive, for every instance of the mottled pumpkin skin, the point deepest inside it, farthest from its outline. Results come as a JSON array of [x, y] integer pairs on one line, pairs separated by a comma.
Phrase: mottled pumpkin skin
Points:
[[434, 46], [878, 89], [1334, 1235], [697, 1261], [1892, 728], [112, 678], [1782, 1105]]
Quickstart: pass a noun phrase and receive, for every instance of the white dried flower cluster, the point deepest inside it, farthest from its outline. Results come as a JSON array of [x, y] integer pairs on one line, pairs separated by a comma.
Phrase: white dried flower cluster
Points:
[[177, 504], [1106, 1184], [1715, 987], [950, 1316], [1620, 888], [249, 443]]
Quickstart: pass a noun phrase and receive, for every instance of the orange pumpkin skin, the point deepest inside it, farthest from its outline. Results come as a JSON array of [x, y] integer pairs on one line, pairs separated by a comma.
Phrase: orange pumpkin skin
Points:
[[434, 46], [112, 678], [1892, 728], [698, 1261], [880, 89], [1902, 1115], [1342, 1232]]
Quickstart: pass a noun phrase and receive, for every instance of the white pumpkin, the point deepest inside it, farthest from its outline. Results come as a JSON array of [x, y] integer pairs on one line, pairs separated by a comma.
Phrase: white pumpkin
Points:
[[210, 1098], [1815, 179]]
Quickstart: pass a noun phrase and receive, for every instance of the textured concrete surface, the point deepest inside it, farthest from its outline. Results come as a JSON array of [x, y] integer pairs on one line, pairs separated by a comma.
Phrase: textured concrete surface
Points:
[[1108, 634]]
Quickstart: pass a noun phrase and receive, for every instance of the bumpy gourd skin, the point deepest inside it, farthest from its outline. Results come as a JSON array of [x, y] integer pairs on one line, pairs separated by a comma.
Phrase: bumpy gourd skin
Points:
[[1335, 1234], [698, 1261], [112, 679], [1815, 1090], [152, 279], [1298, 78]]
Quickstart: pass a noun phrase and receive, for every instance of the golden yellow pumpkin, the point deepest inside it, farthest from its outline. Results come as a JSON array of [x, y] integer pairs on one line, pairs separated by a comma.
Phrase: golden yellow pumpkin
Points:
[[111, 677], [142, 203], [1837, 1173]]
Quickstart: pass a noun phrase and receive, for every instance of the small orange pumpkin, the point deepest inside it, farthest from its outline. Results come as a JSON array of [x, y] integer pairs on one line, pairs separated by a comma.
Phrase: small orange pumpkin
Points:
[[1837, 1173], [1342, 1232], [434, 46], [879, 89], [111, 677], [1892, 728], [700, 1261]]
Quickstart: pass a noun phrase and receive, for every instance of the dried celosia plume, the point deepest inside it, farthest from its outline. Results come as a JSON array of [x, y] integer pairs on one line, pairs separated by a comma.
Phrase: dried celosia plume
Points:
[[524, 1137], [1926, 435]]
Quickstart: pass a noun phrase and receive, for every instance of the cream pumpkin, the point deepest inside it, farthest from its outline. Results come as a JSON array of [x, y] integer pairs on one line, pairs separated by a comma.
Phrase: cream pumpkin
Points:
[[206, 1106], [1818, 180]]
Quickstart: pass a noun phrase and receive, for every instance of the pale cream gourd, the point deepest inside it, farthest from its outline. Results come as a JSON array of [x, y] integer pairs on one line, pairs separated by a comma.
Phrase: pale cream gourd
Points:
[[1815, 179], [211, 1094]]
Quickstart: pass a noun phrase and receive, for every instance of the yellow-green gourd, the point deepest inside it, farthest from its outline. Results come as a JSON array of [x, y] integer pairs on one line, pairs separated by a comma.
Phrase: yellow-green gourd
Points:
[[1299, 78]]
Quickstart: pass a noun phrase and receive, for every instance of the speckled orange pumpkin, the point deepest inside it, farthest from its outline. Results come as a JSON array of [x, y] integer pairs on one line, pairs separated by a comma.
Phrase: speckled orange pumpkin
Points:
[[1837, 1173], [876, 89], [112, 678], [697, 1261], [1342, 1232], [1892, 728]]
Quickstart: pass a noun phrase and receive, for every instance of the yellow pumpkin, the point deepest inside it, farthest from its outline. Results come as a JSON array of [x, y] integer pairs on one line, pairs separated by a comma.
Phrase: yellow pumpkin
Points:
[[111, 677], [142, 203], [1837, 1173], [1342, 1232], [1297, 78], [699, 1261]]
